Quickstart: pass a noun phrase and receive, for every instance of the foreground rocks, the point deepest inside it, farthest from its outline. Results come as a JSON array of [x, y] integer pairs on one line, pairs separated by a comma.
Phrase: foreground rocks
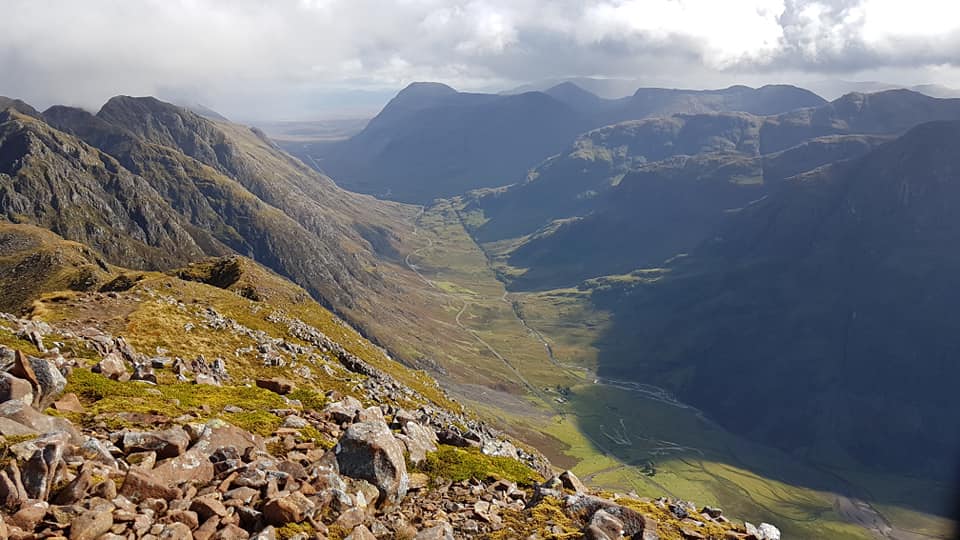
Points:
[[356, 476]]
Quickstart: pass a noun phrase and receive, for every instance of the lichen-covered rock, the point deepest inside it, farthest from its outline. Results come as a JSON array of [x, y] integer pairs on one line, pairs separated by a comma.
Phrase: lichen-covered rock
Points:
[[90, 525], [343, 411], [12, 387], [603, 526], [292, 508], [418, 441], [112, 366], [167, 443], [368, 450]]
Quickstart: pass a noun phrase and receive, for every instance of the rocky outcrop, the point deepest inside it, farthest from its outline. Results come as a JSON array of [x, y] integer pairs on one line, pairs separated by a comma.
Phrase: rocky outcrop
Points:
[[200, 478]]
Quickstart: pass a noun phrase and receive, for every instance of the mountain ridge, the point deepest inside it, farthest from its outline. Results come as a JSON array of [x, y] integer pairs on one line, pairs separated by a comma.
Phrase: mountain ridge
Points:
[[428, 142]]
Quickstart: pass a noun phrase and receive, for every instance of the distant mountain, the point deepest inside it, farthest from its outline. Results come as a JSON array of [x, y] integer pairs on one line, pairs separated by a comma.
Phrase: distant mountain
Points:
[[835, 88], [607, 88], [432, 141], [586, 188], [785, 325]]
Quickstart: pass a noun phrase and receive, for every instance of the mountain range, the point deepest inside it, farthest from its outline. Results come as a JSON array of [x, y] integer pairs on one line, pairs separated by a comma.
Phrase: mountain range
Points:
[[777, 267], [665, 183], [432, 141]]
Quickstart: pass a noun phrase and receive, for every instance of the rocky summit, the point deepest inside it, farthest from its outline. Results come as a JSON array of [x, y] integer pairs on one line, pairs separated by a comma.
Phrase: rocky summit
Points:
[[161, 407]]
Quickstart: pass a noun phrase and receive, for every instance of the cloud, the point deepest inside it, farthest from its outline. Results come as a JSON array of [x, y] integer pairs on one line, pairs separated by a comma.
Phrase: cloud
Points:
[[282, 57]]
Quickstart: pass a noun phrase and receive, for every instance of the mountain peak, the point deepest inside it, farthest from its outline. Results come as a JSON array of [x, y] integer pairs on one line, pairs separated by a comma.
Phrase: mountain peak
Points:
[[427, 89], [135, 105], [18, 105]]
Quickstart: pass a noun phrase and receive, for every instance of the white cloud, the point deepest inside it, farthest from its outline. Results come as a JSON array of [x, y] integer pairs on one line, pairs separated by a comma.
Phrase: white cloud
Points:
[[233, 52]]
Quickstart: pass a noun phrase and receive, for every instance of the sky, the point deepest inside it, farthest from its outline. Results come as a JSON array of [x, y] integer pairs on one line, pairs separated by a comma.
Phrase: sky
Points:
[[304, 59]]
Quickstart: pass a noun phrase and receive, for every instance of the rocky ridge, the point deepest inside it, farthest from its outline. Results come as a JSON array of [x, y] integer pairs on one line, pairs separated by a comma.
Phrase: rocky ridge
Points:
[[282, 457]]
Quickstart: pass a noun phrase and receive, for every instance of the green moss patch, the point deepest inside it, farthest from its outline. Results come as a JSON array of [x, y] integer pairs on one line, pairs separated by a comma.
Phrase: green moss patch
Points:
[[459, 464]]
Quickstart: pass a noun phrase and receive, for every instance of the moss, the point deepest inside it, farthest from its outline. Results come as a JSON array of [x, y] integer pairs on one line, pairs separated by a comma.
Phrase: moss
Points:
[[336, 532], [102, 395], [311, 399], [540, 521], [292, 529], [9, 339], [458, 464], [668, 526], [261, 422]]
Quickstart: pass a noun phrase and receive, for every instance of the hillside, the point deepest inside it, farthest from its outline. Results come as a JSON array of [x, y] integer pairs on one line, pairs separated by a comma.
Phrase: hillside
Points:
[[432, 141], [623, 195], [220, 401], [835, 286]]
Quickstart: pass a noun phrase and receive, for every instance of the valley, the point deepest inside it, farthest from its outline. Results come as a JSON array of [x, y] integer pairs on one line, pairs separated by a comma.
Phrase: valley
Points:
[[541, 351]]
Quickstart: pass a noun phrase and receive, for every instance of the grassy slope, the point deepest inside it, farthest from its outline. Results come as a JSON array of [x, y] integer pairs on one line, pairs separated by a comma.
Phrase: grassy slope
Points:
[[694, 458]]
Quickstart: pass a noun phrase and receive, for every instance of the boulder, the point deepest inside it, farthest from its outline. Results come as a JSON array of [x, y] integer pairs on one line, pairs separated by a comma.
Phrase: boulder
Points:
[[176, 531], [140, 485], [195, 465], [69, 403], [293, 508], [187, 517], [112, 366], [75, 490], [583, 507], [369, 451], [603, 526], [370, 414], [768, 532], [12, 387], [570, 481], [231, 532], [91, 524], [43, 469], [418, 441], [29, 515], [277, 385], [12, 492], [267, 533], [360, 532], [9, 428], [207, 507], [438, 532], [167, 443], [47, 381], [343, 411], [29, 417], [499, 448]]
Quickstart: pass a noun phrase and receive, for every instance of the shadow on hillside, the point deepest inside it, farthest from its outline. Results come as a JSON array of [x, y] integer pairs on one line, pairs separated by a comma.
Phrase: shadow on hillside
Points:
[[729, 349]]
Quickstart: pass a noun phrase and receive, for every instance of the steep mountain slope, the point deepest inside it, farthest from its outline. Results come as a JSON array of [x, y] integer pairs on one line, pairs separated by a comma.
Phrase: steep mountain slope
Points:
[[431, 141], [665, 208], [571, 219], [832, 300], [249, 196], [34, 261], [133, 192], [893, 111], [424, 145], [53, 180], [597, 160]]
